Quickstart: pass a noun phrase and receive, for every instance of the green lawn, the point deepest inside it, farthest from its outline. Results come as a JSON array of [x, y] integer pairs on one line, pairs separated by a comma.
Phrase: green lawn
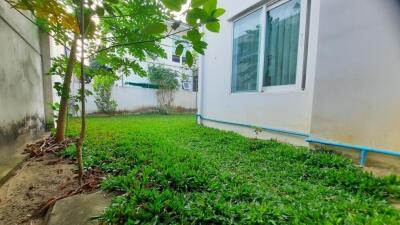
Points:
[[169, 170]]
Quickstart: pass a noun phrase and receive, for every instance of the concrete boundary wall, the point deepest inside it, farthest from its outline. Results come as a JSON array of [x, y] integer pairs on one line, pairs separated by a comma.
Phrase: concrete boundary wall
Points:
[[136, 98], [22, 87]]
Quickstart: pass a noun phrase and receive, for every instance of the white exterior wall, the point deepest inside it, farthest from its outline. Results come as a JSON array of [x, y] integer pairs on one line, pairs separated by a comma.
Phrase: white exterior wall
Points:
[[137, 98], [357, 92], [289, 110], [351, 96]]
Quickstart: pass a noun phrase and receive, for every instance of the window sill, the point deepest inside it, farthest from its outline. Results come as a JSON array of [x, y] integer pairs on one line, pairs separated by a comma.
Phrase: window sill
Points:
[[272, 90], [281, 89], [244, 92]]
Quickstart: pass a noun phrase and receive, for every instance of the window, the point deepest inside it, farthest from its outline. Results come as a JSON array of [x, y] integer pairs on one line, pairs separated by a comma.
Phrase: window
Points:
[[281, 47], [246, 45], [176, 58], [267, 42], [195, 83]]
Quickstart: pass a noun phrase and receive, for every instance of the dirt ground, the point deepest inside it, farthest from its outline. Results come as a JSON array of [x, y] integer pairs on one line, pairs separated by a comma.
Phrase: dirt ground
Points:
[[38, 180]]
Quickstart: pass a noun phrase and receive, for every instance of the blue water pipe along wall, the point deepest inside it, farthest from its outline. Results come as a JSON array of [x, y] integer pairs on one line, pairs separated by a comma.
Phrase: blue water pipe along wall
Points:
[[364, 150]]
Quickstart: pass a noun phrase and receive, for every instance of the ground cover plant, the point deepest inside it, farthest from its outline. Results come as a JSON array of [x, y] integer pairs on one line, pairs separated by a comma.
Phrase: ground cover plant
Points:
[[169, 170]]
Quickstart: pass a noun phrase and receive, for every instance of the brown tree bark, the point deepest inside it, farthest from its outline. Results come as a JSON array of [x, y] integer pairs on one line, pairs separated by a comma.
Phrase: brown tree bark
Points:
[[79, 145], [62, 114], [82, 135]]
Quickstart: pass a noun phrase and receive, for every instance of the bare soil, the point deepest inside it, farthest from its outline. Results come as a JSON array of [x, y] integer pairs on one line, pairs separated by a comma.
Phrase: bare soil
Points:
[[38, 181]]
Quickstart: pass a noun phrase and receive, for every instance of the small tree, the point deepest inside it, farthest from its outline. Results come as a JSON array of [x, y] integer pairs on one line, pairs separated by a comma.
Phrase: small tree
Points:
[[167, 82], [102, 87], [133, 28]]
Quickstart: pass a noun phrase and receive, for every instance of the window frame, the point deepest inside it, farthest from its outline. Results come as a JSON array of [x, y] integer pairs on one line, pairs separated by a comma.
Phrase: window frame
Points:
[[259, 51], [261, 64]]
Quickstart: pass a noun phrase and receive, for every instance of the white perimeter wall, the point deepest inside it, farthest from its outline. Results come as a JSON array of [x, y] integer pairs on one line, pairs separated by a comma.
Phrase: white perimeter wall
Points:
[[136, 98], [21, 88], [289, 110]]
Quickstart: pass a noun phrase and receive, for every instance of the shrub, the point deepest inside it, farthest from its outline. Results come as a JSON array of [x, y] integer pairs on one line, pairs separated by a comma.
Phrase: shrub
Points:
[[167, 82], [102, 87]]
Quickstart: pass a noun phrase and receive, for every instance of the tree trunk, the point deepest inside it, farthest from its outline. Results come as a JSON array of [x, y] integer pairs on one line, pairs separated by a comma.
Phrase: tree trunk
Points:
[[79, 145], [83, 127], [62, 114]]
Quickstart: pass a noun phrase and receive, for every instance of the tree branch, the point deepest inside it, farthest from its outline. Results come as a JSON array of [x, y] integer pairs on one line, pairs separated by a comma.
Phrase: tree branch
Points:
[[141, 42]]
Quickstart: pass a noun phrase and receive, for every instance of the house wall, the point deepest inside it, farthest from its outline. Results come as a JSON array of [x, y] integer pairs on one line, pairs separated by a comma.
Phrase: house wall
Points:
[[357, 92], [290, 109], [22, 103]]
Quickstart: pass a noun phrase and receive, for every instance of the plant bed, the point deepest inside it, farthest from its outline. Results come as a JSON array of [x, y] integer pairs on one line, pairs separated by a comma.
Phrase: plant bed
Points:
[[35, 183], [42, 180], [169, 170]]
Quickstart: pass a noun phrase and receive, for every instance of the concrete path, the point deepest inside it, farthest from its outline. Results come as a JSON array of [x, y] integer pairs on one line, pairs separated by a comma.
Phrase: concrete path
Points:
[[78, 209]]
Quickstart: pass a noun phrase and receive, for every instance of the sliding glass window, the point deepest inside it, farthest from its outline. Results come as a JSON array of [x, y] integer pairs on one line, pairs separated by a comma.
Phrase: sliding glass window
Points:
[[246, 48], [282, 44]]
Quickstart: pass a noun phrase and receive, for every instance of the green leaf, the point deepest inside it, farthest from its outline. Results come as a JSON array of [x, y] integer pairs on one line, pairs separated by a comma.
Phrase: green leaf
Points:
[[109, 9], [198, 3], [154, 28], [210, 6], [218, 12], [179, 50], [189, 58], [193, 35], [213, 27], [199, 46], [196, 14], [175, 5]]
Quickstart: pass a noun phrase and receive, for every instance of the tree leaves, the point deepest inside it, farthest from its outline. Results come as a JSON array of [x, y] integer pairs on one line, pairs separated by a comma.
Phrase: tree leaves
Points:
[[154, 28], [198, 3], [205, 12], [196, 14], [174, 5], [213, 27], [218, 12], [179, 50], [53, 15], [189, 58], [136, 27], [210, 6], [108, 8]]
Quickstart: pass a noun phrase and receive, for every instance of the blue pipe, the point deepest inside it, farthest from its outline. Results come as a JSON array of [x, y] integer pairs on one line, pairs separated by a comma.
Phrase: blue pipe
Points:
[[364, 150], [275, 130]]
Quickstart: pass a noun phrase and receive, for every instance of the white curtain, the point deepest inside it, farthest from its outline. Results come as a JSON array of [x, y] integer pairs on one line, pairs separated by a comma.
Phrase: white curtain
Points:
[[282, 37]]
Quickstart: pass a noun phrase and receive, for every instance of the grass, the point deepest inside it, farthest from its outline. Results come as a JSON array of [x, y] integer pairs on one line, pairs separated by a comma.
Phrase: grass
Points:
[[168, 170]]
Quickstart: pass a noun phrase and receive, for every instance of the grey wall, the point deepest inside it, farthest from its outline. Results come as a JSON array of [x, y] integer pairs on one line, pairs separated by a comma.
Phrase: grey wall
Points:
[[357, 92], [21, 84]]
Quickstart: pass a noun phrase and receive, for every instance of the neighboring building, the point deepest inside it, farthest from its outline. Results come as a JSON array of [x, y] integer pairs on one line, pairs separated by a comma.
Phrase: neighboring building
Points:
[[134, 93], [308, 71], [172, 61], [25, 91]]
